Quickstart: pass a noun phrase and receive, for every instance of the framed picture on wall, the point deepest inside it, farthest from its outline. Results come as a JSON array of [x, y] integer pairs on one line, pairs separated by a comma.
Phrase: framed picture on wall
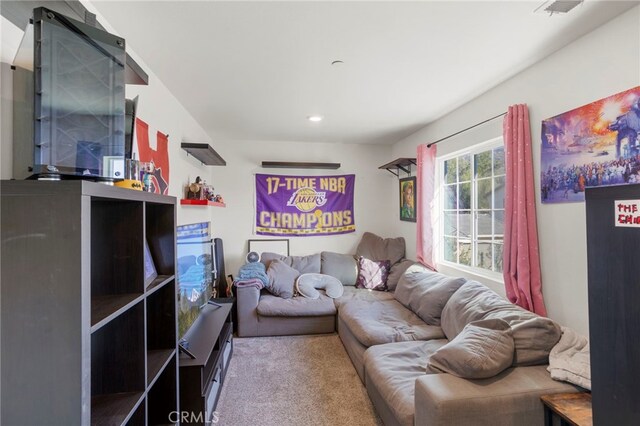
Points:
[[408, 199], [278, 246]]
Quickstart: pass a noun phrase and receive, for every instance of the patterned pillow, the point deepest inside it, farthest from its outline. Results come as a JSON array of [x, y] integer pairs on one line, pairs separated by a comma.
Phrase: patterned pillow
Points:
[[373, 274]]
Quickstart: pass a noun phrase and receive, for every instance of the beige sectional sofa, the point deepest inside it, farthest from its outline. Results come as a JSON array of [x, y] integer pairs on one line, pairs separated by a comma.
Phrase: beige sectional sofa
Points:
[[390, 337]]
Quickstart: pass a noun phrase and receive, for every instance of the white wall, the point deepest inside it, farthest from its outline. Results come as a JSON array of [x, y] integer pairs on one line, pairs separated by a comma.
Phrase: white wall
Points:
[[234, 224], [601, 63], [157, 106], [235, 182]]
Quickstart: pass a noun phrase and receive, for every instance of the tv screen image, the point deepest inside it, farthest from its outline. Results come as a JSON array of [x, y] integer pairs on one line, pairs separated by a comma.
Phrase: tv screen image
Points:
[[196, 271]]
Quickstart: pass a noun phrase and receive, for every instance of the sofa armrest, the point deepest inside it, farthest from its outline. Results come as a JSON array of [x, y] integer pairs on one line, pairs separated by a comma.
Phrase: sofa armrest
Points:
[[510, 398], [247, 299]]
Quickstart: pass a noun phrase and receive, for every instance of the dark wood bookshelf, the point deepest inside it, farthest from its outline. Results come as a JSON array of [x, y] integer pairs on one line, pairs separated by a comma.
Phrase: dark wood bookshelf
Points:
[[158, 282], [157, 360], [111, 338], [106, 308], [114, 409]]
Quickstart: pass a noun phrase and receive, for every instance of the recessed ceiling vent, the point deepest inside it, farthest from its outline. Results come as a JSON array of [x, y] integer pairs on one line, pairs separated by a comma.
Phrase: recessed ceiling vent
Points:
[[557, 6]]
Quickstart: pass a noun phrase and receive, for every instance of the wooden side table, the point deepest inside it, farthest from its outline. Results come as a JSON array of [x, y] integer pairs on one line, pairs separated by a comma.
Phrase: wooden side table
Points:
[[572, 408]]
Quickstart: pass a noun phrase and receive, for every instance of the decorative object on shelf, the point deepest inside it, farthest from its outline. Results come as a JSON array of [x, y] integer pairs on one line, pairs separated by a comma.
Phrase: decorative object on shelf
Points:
[[304, 205], [200, 191], [408, 199], [150, 272], [399, 164], [158, 177], [298, 165], [204, 153], [194, 190], [593, 145]]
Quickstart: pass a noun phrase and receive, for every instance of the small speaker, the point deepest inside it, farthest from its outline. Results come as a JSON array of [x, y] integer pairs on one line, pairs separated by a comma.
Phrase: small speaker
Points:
[[253, 257]]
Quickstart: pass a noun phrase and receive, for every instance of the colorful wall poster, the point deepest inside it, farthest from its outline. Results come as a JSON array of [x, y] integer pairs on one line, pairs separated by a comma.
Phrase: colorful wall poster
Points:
[[594, 145], [304, 205], [159, 176]]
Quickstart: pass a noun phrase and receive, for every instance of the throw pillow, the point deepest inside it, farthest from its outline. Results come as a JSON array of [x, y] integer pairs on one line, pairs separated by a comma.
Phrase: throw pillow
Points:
[[374, 247], [483, 349], [303, 264], [425, 292], [342, 266], [281, 279], [373, 274], [396, 272]]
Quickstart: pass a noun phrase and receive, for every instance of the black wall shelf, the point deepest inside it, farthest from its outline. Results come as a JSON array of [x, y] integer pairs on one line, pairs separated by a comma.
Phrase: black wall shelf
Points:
[[298, 165], [204, 153], [399, 164]]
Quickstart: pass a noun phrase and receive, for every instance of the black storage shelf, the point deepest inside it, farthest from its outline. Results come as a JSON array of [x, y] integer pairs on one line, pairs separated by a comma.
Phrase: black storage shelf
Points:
[[204, 153], [111, 341], [400, 164]]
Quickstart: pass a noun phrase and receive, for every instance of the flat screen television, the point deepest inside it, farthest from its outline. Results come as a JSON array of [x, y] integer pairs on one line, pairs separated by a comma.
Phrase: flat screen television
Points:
[[196, 272], [73, 100]]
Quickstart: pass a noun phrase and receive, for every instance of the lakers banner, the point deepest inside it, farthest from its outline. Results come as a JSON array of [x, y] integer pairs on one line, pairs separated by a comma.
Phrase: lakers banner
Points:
[[304, 205]]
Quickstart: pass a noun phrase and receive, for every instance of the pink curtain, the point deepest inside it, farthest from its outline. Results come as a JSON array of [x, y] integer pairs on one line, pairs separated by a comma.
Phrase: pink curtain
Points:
[[426, 182], [521, 258]]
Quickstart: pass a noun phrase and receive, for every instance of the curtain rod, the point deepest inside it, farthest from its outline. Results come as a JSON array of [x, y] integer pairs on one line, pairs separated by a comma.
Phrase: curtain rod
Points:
[[464, 130]]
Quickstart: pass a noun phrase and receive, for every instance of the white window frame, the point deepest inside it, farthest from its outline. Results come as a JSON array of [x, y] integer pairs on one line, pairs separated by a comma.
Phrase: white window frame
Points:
[[439, 209]]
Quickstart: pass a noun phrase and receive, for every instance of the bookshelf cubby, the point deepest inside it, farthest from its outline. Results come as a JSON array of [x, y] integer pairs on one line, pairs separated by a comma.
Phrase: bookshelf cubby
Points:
[[89, 341]]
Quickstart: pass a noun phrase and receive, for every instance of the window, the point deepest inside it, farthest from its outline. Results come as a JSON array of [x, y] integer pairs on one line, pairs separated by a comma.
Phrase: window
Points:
[[472, 207]]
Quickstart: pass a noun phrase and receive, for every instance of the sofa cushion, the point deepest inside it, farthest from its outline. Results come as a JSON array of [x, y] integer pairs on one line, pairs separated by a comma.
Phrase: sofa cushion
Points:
[[396, 273], [272, 306], [426, 292], [393, 369], [373, 274], [374, 247], [342, 266], [533, 335], [281, 279], [307, 285], [303, 264], [354, 293], [483, 349], [385, 321]]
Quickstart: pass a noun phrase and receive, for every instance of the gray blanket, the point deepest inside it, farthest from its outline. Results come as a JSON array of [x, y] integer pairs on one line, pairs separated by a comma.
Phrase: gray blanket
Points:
[[569, 360]]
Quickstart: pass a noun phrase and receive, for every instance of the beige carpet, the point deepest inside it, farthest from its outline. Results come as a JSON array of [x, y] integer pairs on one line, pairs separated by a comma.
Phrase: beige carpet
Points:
[[293, 380]]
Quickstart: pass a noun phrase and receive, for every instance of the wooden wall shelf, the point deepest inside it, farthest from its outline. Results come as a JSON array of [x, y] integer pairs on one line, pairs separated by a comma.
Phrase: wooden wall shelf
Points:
[[204, 153], [399, 164], [298, 165], [201, 203]]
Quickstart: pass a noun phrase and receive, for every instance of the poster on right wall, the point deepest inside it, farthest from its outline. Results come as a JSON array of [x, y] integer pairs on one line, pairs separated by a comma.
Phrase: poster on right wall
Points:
[[594, 145]]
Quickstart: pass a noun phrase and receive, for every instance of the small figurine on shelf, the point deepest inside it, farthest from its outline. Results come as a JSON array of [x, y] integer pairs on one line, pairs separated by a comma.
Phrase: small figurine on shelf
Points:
[[194, 190], [218, 199]]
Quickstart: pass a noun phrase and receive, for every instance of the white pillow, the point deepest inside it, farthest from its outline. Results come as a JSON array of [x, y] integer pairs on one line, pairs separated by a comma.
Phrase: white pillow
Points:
[[307, 285]]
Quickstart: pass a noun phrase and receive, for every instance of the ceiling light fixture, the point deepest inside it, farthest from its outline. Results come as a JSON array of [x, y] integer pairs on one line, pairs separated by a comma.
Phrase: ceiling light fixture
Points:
[[314, 118]]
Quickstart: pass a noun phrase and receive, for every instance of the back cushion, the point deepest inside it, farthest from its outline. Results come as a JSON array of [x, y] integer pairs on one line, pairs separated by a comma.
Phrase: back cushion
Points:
[[303, 264], [426, 292], [377, 248], [533, 335], [341, 266]]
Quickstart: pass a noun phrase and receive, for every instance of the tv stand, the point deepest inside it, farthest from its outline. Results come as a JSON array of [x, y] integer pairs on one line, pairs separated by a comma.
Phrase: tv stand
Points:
[[201, 378]]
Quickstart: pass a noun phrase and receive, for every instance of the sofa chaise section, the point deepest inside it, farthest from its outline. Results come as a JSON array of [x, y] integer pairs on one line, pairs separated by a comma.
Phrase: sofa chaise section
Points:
[[262, 314]]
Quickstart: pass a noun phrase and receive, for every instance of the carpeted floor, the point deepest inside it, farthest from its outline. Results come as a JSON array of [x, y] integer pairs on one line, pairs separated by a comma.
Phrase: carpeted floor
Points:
[[293, 380]]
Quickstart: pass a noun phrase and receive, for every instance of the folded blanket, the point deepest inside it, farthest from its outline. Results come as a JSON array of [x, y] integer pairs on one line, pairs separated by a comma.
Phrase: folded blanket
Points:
[[254, 282], [569, 360], [255, 270]]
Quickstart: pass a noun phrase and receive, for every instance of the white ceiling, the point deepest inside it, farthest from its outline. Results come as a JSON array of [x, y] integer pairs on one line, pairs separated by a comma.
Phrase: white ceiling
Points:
[[256, 70]]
